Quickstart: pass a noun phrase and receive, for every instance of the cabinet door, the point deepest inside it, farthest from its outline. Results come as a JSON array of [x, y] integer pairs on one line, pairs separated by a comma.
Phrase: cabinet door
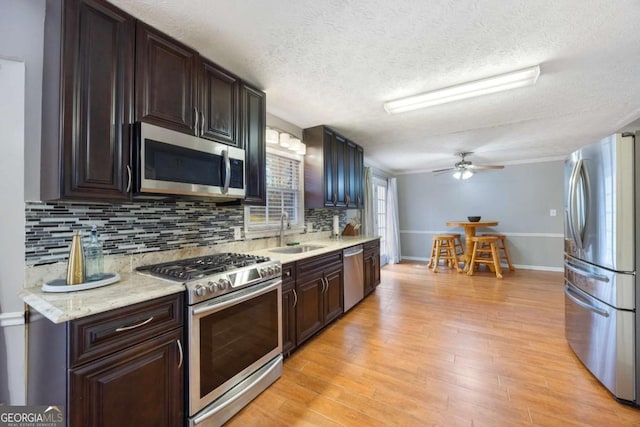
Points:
[[97, 87], [139, 386], [254, 121], [369, 274], [288, 317], [219, 103], [350, 173], [334, 169], [359, 177], [166, 78], [333, 295], [309, 311]]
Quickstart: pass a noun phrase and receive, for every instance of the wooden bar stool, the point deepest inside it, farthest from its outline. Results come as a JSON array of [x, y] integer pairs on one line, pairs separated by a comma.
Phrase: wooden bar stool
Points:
[[502, 248], [444, 248], [458, 244], [485, 251]]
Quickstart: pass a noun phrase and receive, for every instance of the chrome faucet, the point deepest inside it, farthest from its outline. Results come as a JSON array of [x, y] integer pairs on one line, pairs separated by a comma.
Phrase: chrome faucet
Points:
[[282, 217]]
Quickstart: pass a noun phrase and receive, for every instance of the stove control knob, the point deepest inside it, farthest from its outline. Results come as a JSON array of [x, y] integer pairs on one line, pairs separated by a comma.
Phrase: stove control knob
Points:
[[222, 284], [263, 272], [277, 268], [271, 271], [200, 290], [211, 286]]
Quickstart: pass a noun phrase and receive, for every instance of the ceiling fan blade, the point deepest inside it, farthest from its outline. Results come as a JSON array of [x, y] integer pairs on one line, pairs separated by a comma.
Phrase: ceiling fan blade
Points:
[[481, 167], [443, 170]]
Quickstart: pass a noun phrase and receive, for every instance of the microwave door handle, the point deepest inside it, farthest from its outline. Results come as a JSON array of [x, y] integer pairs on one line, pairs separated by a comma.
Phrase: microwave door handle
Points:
[[227, 171]]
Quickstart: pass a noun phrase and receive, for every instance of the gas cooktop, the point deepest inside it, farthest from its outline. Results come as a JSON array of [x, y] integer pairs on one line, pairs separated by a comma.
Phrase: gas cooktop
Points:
[[199, 267], [214, 275]]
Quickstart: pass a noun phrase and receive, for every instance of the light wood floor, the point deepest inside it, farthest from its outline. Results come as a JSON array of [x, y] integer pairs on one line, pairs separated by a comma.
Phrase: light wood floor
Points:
[[442, 349]]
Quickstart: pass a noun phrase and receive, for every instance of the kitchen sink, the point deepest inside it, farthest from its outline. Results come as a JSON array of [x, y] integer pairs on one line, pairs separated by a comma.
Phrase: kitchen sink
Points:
[[298, 249]]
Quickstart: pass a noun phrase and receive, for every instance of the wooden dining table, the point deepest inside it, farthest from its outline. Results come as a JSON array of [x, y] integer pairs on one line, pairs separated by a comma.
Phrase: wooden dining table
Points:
[[469, 232]]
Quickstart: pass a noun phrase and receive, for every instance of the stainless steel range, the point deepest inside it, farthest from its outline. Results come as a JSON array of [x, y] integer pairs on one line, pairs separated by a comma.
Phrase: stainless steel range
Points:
[[234, 320]]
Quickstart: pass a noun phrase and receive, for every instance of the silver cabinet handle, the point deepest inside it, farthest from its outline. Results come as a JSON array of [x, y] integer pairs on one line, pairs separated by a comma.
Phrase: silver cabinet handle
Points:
[[196, 124], [227, 171], [347, 199], [295, 298], [181, 354], [127, 328], [201, 123], [128, 178]]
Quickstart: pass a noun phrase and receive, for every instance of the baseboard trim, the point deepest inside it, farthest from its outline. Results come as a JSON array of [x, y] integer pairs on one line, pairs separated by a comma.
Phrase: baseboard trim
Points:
[[11, 319], [520, 266]]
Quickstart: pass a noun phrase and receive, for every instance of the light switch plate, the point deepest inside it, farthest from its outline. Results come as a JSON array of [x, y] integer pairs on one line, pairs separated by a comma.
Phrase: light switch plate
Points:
[[553, 212], [237, 233]]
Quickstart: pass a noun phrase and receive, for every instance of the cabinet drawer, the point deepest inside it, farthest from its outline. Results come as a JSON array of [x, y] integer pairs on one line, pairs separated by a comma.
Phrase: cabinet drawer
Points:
[[370, 246], [316, 264], [104, 333]]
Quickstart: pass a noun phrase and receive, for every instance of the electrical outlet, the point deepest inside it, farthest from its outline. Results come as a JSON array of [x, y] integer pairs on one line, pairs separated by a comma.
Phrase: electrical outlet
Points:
[[553, 212], [237, 233]]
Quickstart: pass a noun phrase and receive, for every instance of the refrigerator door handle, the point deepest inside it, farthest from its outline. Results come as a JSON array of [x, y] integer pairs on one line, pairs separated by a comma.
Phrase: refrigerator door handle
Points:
[[576, 176], [580, 300], [571, 205], [586, 273]]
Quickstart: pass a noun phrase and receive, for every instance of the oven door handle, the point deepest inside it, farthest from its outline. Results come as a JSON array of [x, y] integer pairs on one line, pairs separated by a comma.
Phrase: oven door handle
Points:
[[214, 306]]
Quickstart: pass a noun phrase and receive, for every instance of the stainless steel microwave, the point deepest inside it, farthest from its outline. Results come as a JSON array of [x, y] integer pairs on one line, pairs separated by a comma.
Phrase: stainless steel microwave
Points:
[[167, 162]]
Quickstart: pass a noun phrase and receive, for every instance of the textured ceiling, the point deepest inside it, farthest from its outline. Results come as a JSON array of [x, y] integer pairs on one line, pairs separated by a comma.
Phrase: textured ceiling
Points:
[[335, 62]]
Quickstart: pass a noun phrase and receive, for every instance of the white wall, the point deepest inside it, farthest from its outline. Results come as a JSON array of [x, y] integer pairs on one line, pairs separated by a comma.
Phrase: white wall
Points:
[[12, 354], [21, 45], [519, 197]]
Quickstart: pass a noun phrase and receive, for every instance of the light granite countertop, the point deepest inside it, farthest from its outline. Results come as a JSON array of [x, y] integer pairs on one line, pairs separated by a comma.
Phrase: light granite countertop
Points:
[[135, 288]]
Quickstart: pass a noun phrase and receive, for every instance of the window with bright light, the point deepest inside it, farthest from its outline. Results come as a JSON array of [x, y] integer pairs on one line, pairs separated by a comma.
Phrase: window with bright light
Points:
[[380, 216], [285, 191]]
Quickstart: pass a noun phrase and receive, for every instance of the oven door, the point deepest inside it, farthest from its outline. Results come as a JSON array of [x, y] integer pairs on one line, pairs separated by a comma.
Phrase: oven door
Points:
[[230, 338]]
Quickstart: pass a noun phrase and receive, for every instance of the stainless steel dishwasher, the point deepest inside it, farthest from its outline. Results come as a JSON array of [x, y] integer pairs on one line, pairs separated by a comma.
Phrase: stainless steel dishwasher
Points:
[[353, 276]]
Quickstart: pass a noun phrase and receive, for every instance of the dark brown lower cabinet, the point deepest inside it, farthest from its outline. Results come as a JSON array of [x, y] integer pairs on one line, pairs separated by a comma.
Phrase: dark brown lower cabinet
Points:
[[319, 288], [124, 367], [289, 302], [139, 386], [371, 266]]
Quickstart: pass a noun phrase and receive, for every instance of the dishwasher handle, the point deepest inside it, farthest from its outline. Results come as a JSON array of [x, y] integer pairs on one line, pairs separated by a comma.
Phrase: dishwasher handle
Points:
[[349, 252]]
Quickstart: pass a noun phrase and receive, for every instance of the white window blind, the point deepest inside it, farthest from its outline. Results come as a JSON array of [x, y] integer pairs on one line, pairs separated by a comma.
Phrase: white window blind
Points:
[[283, 194]]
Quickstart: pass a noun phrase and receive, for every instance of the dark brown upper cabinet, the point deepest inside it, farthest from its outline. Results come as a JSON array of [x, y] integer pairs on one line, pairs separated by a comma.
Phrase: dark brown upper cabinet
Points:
[[254, 111], [87, 101], [332, 170], [354, 175], [166, 81], [219, 104]]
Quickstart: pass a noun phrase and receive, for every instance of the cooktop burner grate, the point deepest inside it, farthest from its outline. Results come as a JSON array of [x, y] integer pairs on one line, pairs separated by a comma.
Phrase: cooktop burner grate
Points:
[[195, 268]]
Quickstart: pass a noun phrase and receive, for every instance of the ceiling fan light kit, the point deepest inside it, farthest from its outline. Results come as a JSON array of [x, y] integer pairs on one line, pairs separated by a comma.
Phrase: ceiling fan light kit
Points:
[[463, 174], [499, 83]]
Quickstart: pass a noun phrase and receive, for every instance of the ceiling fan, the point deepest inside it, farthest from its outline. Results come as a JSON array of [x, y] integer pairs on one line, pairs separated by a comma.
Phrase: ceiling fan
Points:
[[464, 169]]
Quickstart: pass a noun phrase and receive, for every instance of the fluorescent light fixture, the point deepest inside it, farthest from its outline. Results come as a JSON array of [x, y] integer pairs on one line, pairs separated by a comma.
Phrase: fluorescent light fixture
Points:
[[463, 174], [512, 80]]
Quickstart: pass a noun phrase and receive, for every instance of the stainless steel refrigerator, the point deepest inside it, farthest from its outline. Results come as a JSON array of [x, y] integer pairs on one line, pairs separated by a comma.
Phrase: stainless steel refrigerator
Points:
[[601, 259]]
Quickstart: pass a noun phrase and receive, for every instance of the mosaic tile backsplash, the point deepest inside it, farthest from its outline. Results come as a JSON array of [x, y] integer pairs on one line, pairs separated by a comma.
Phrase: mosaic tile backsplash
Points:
[[137, 227]]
